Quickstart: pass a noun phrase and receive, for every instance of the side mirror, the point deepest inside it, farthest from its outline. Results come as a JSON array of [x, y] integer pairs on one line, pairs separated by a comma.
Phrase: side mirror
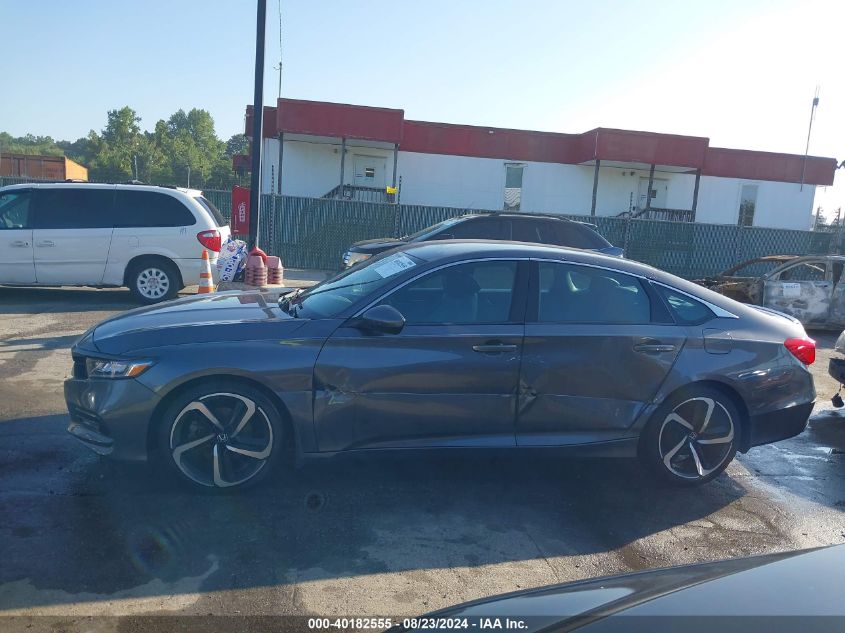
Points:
[[383, 319]]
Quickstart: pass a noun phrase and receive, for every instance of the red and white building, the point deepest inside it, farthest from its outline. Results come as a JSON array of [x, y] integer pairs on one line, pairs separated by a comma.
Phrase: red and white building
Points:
[[320, 149]]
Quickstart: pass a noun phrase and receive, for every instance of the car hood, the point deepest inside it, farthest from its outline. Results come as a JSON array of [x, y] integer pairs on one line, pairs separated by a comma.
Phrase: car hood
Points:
[[214, 317], [706, 589], [376, 246]]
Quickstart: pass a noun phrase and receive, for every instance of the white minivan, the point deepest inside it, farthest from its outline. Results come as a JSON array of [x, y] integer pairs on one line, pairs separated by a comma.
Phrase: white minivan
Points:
[[149, 239]]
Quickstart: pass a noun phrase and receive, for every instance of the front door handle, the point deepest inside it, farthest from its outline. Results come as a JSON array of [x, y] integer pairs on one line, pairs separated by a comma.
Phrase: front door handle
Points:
[[19, 244], [45, 243], [493, 348], [653, 348]]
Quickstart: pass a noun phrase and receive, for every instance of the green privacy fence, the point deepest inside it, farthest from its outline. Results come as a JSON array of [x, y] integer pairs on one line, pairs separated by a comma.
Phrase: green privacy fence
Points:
[[314, 233]]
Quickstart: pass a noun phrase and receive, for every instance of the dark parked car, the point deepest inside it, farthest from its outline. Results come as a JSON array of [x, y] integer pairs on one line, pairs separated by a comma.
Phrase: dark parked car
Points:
[[519, 227], [446, 344], [793, 591]]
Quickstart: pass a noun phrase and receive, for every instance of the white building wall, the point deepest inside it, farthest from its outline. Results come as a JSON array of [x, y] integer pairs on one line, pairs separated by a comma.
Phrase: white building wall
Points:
[[313, 169]]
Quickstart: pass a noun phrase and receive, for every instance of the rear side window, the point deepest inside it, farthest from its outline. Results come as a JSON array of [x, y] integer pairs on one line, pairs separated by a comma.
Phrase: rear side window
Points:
[[684, 309], [14, 210], [476, 229], [214, 211], [569, 293], [80, 208], [535, 230], [138, 209], [579, 236]]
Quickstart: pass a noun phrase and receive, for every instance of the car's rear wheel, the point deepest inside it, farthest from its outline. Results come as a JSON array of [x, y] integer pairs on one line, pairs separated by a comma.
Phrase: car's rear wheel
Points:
[[151, 281], [692, 437], [218, 436]]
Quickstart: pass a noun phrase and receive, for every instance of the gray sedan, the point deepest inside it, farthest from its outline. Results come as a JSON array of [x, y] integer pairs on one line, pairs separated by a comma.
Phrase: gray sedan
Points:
[[445, 345]]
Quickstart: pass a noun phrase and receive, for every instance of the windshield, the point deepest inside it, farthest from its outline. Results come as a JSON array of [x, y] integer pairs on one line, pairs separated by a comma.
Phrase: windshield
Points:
[[333, 296]]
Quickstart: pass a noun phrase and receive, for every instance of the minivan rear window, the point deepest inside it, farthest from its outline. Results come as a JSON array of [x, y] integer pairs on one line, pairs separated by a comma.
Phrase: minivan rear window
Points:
[[214, 211], [150, 209]]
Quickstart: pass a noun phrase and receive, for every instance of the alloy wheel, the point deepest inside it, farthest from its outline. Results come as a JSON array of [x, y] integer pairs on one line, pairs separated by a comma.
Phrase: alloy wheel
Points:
[[152, 283], [696, 438], [221, 440]]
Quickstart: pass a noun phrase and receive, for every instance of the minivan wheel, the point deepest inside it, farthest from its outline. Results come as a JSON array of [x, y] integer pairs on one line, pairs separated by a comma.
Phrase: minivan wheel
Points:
[[152, 281], [220, 437], [692, 437]]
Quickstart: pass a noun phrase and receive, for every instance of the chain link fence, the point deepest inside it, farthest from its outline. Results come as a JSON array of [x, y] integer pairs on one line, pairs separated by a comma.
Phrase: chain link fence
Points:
[[315, 232]]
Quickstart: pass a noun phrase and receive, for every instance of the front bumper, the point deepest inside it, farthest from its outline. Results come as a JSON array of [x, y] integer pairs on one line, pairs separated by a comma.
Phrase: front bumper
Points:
[[779, 425], [111, 417]]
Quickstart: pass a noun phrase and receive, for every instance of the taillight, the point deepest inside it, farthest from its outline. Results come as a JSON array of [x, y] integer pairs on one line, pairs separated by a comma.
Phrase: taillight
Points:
[[211, 240], [804, 349]]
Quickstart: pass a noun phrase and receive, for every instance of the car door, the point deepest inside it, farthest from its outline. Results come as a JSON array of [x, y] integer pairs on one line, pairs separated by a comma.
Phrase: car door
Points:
[[449, 378], [16, 257], [72, 234], [803, 290], [593, 355]]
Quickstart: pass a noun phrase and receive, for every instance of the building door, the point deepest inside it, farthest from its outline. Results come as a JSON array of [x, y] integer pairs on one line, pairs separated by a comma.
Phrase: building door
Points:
[[369, 171], [659, 189]]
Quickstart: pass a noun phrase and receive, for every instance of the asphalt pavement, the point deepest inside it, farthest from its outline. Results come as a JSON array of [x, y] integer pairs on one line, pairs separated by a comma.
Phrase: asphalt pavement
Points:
[[384, 536]]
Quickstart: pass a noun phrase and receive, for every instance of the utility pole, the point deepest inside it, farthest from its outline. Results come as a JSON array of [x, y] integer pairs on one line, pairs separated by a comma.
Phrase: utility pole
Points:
[[135, 162], [189, 176], [257, 124], [280, 49], [809, 130]]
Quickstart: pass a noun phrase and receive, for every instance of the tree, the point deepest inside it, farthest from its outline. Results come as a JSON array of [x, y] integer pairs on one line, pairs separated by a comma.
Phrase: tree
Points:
[[237, 144]]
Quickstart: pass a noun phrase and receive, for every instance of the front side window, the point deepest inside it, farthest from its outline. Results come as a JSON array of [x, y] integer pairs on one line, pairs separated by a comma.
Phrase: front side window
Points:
[[477, 229], [569, 293], [150, 209], [805, 271], [472, 293], [14, 210], [81, 208]]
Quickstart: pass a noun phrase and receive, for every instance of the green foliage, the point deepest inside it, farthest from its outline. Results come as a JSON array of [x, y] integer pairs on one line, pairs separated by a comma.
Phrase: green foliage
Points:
[[183, 147]]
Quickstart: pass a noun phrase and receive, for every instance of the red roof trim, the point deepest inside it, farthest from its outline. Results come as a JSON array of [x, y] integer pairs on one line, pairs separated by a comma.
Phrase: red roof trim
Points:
[[320, 118]]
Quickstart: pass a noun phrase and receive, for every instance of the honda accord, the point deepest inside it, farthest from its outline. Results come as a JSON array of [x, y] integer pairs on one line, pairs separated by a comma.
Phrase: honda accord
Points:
[[452, 344]]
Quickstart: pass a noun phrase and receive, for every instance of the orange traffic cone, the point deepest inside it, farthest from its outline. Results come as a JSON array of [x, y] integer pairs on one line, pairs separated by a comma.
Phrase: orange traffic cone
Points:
[[206, 282]]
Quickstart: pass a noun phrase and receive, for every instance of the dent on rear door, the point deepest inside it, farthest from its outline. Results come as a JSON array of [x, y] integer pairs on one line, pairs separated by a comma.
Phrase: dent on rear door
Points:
[[804, 290]]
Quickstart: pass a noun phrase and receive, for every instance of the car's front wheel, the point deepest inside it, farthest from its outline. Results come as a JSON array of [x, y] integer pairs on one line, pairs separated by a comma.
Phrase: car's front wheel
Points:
[[220, 436], [692, 437]]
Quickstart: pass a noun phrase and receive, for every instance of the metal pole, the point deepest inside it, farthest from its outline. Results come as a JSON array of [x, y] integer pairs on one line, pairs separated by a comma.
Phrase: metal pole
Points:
[[281, 155], [189, 176], [695, 193], [809, 130], [257, 124], [650, 185], [395, 160], [342, 162], [595, 187]]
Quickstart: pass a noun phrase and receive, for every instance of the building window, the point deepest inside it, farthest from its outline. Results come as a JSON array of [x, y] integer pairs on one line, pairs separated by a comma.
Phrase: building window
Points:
[[513, 186], [747, 204]]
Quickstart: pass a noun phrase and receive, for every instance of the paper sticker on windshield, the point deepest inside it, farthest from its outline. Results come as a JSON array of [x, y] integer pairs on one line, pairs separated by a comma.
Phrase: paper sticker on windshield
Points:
[[394, 265], [792, 290]]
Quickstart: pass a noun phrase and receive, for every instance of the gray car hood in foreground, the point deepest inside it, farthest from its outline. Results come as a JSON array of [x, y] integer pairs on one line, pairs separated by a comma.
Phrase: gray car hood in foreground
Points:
[[804, 583], [227, 316]]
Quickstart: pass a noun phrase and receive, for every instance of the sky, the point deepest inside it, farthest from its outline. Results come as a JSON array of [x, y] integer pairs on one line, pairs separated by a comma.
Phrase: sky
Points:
[[740, 72]]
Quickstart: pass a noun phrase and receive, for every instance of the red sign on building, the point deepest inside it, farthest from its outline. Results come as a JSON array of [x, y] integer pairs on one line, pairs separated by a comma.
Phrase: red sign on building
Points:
[[240, 211]]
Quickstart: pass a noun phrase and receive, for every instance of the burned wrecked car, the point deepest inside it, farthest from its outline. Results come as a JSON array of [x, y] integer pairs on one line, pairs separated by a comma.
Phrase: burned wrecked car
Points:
[[805, 287]]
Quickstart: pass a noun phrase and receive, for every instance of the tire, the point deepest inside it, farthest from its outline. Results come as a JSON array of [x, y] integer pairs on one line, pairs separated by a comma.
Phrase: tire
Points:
[[692, 437], [219, 436], [153, 280]]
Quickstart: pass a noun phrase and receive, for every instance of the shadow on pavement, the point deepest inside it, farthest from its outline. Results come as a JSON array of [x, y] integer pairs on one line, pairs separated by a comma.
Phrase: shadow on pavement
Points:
[[37, 300], [76, 525]]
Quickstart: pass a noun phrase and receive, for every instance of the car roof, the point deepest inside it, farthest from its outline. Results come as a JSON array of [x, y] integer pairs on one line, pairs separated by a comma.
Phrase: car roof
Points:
[[520, 214], [101, 185]]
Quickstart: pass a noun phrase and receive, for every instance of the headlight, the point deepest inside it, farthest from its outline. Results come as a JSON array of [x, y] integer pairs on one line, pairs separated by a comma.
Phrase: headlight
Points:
[[98, 368], [350, 259]]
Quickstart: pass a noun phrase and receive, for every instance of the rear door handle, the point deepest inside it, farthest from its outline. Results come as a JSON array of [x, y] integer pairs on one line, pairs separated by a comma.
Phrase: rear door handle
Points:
[[653, 348], [45, 243], [19, 244], [493, 348]]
